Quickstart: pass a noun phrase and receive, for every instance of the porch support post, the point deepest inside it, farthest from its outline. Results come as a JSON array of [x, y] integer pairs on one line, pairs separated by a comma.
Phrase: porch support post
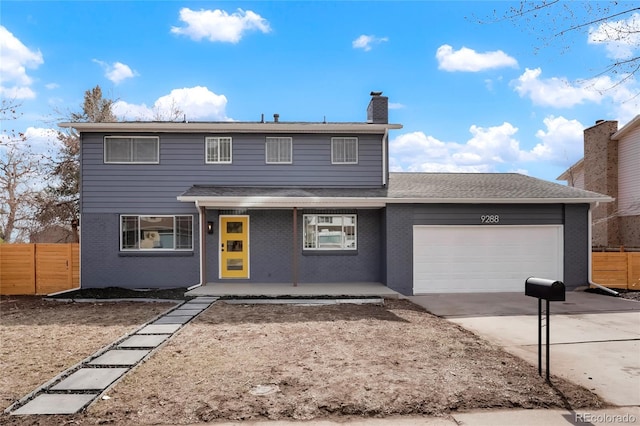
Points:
[[203, 245], [295, 247]]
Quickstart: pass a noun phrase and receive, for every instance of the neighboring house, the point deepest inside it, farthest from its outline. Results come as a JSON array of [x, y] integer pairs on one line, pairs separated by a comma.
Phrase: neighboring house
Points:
[[611, 166], [179, 204]]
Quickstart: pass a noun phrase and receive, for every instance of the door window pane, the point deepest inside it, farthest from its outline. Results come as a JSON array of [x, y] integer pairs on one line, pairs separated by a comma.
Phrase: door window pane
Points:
[[234, 227]]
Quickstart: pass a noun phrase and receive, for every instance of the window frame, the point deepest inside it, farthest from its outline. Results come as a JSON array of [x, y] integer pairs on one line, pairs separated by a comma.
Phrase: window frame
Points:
[[278, 139], [130, 137], [344, 139], [344, 246], [138, 231], [209, 139]]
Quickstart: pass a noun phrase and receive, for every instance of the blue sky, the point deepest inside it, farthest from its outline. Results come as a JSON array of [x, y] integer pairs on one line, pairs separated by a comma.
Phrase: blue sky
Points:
[[473, 97]]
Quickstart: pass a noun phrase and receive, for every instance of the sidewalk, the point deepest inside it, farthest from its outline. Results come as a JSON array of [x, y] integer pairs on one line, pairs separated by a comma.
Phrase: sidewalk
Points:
[[611, 416]]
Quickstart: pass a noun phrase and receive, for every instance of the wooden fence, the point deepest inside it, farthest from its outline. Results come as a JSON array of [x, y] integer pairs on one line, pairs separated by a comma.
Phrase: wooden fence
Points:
[[29, 269], [617, 270]]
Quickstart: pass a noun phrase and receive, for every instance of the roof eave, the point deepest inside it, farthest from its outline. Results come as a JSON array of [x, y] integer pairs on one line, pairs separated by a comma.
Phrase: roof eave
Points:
[[283, 202], [230, 127], [371, 202], [626, 128]]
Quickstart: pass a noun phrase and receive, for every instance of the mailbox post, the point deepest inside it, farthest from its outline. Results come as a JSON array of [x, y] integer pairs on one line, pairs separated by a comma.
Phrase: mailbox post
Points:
[[550, 291]]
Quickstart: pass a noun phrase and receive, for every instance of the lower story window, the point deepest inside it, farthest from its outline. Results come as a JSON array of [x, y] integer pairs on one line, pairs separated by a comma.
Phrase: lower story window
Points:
[[156, 233], [330, 232]]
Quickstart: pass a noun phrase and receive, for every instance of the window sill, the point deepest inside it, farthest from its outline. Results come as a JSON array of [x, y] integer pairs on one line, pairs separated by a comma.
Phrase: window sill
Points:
[[330, 252], [155, 254]]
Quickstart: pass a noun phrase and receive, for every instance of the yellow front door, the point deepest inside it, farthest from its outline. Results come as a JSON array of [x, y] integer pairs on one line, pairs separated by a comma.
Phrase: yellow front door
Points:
[[234, 246]]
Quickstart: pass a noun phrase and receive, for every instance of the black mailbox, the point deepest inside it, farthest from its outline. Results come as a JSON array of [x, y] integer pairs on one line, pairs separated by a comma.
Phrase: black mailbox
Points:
[[543, 288]]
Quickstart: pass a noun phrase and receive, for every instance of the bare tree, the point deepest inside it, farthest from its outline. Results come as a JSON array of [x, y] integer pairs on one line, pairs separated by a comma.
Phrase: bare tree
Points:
[[9, 112], [614, 23], [20, 171], [60, 202], [173, 113]]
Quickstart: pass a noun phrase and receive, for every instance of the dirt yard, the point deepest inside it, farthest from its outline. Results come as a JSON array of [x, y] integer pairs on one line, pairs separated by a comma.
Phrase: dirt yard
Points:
[[239, 362], [39, 339]]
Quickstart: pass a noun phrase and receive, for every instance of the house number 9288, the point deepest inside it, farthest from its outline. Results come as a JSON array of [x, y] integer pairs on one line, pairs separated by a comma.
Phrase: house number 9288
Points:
[[490, 218]]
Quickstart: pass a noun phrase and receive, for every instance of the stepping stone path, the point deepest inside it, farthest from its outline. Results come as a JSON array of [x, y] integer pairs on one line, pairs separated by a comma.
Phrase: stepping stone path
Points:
[[76, 388]]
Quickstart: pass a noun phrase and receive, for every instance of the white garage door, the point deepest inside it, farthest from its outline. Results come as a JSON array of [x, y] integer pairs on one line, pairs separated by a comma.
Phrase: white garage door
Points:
[[478, 259]]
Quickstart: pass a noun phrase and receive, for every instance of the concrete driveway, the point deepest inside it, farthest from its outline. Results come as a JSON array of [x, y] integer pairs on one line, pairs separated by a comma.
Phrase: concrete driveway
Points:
[[595, 339]]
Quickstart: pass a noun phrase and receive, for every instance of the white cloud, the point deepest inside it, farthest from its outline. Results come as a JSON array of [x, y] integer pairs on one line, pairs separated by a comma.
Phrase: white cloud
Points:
[[621, 38], [364, 42], [561, 93], [116, 72], [469, 60], [488, 148], [561, 143], [52, 86], [555, 92], [15, 58], [219, 25], [197, 103], [396, 105], [41, 139]]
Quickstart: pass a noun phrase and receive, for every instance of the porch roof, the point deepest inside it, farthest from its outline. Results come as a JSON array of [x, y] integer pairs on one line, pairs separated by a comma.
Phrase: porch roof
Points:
[[422, 188]]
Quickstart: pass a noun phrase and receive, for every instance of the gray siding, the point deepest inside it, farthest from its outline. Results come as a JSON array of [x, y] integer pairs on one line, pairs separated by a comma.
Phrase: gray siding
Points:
[[271, 251], [102, 264], [399, 221], [154, 187], [577, 248]]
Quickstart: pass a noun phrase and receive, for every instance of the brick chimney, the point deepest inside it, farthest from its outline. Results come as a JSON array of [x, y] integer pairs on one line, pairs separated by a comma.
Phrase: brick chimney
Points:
[[601, 175], [378, 109]]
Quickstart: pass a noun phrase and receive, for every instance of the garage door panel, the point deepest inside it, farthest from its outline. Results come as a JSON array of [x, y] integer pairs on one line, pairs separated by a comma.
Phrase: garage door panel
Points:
[[456, 259]]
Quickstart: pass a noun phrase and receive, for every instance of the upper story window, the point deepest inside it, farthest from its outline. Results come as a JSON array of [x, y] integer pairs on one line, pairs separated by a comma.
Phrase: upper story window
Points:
[[218, 150], [278, 151], [344, 150], [132, 149]]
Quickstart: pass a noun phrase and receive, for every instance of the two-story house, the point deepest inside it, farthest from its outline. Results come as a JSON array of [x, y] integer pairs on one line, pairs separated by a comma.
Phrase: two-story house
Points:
[[611, 166], [167, 204]]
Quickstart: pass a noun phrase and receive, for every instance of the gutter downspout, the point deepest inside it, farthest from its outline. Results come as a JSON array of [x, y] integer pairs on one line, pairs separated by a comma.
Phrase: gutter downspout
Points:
[[203, 242], [590, 276]]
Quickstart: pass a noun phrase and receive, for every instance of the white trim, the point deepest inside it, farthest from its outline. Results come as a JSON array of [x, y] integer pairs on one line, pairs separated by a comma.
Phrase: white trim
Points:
[[344, 140], [206, 149], [366, 202], [230, 127], [278, 139], [220, 245], [317, 226], [104, 149], [626, 128], [155, 250]]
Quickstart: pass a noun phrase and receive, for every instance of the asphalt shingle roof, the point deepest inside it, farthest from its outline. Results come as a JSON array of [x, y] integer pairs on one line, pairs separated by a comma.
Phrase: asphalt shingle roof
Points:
[[438, 187]]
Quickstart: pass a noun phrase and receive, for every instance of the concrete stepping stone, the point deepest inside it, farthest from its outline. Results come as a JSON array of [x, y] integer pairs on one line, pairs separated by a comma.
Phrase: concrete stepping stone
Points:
[[87, 379], [120, 357], [182, 319], [178, 312], [159, 329], [55, 404], [144, 341], [191, 305]]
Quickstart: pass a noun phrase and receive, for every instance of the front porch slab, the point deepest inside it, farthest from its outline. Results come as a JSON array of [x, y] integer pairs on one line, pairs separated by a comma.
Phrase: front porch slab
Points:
[[363, 289]]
